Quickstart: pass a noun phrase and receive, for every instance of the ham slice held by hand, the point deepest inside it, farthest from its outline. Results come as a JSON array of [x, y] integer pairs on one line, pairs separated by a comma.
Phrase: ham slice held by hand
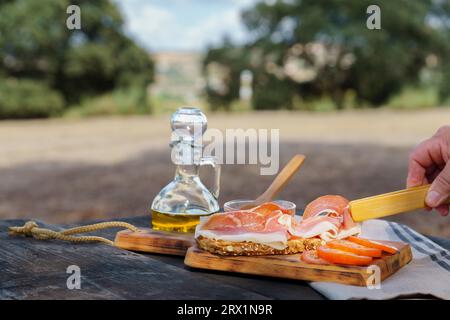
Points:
[[327, 217]]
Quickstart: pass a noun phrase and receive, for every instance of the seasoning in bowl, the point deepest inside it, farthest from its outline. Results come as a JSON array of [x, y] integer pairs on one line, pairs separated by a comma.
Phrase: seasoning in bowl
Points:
[[235, 205]]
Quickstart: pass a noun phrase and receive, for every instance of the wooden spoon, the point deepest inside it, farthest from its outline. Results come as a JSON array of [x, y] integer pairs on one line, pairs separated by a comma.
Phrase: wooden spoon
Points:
[[279, 182]]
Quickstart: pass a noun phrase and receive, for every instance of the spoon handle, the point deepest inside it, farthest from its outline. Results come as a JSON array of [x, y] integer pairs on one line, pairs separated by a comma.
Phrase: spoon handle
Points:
[[282, 178]]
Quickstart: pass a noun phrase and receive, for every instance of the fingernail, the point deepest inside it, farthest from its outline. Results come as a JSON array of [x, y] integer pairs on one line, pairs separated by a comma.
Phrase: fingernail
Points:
[[412, 181], [433, 198]]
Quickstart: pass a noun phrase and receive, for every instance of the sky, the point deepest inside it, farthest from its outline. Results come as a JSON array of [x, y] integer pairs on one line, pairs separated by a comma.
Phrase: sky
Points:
[[183, 25]]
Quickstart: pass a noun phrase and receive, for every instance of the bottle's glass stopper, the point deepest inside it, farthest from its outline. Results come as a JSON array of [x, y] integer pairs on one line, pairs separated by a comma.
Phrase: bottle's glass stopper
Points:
[[188, 125]]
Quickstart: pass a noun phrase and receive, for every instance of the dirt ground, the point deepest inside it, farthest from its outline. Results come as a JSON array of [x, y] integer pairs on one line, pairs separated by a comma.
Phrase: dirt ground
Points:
[[65, 171]]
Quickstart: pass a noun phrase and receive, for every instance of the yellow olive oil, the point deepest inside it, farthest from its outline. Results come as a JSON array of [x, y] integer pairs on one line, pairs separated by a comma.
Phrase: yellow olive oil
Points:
[[177, 222]]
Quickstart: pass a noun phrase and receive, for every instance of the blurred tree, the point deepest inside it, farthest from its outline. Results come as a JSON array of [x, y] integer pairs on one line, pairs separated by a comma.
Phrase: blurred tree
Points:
[[36, 45], [223, 83], [313, 48]]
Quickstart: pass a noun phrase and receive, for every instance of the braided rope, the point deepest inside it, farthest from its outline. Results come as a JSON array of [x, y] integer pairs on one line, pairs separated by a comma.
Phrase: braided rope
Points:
[[31, 229]]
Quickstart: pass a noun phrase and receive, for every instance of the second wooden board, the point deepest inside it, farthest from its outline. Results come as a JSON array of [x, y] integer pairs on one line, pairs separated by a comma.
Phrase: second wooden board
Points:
[[154, 241], [291, 267]]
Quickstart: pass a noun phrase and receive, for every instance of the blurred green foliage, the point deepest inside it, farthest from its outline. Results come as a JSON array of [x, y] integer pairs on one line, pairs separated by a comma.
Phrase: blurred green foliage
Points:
[[28, 99], [68, 66], [168, 103], [415, 98], [303, 51], [122, 101]]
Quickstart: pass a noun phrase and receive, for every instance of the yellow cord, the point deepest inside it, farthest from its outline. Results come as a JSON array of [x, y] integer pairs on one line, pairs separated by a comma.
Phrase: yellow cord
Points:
[[31, 229]]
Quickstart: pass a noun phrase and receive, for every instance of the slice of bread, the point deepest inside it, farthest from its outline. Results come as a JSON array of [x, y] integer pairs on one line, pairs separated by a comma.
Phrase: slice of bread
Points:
[[248, 248]]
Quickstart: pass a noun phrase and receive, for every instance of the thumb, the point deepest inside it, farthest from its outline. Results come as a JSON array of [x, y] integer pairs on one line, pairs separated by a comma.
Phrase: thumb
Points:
[[440, 188]]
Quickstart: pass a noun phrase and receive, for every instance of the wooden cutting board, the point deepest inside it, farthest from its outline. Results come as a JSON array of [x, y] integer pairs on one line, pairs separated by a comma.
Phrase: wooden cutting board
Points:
[[291, 267], [154, 241]]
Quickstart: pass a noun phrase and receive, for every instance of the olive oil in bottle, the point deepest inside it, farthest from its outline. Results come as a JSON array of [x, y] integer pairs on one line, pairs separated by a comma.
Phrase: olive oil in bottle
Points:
[[177, 222]]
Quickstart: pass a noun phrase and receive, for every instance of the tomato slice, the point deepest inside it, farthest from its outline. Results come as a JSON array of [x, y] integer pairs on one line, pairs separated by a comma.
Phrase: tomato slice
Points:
[[342, 257], [312, 258], [355, 248], [373, 244]]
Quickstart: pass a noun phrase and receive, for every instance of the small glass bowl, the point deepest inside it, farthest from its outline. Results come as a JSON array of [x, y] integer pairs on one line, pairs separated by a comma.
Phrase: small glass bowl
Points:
[[235, 205]]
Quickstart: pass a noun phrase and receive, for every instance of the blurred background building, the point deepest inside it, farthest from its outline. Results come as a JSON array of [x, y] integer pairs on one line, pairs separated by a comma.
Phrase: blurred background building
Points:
[[178, 78]]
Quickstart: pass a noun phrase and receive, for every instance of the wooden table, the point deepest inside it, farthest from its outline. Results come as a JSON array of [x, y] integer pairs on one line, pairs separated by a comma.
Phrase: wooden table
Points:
[[37, 269]]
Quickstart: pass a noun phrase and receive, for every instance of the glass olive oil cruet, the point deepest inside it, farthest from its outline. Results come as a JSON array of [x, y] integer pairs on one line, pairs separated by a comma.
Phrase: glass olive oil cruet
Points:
[[179, 205]]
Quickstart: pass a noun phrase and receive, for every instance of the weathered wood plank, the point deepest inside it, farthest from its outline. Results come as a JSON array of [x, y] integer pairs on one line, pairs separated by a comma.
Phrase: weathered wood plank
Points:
[[33, 269], [36, 269]]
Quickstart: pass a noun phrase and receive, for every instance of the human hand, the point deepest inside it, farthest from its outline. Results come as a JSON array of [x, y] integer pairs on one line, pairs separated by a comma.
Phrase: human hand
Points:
[[429, 163]]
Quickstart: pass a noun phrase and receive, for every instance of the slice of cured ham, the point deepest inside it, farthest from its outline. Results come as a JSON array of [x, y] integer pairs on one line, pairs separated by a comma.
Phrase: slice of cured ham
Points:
[[267, 224], [327, 217], [260, 219]]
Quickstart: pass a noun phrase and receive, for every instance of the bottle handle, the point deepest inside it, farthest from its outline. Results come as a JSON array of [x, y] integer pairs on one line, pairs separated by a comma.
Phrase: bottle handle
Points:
[[211, 161]]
